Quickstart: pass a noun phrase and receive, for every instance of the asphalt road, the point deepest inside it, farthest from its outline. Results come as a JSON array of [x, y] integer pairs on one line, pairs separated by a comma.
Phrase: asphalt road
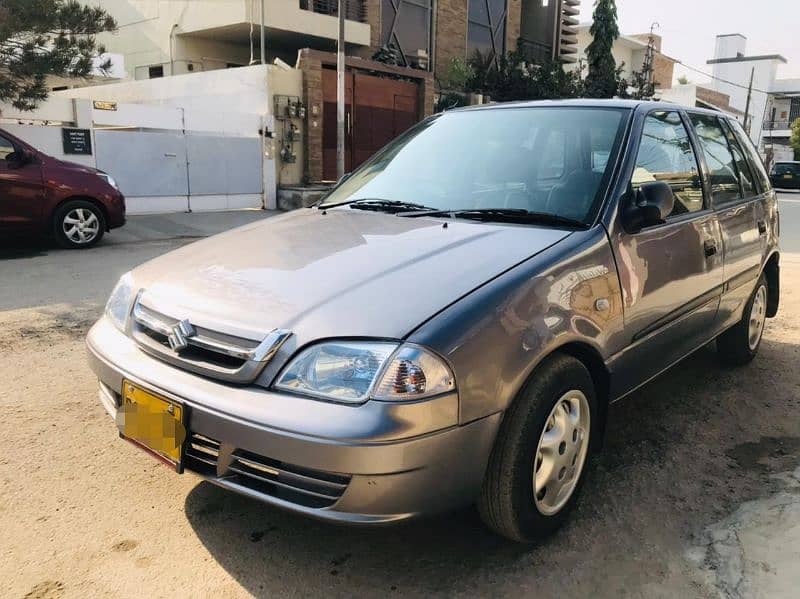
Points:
[[695, 494], [789, 206]]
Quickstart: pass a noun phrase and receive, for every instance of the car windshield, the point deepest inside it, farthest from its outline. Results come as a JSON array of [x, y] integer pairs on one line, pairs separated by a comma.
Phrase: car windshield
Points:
[[542, 160]]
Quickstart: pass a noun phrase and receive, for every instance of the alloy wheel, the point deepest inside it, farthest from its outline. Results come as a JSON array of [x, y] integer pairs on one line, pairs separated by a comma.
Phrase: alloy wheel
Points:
[[81, 226]]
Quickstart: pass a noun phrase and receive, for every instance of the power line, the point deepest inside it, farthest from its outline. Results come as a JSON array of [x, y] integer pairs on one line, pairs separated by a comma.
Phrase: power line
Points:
[[710, 76]]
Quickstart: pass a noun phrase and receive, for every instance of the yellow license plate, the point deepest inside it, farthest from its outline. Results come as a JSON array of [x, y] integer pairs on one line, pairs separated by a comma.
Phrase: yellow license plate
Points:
[[152, 422]]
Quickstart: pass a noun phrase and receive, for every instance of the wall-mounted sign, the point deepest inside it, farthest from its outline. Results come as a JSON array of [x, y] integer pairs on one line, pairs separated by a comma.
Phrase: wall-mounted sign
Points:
[[101, 105], [77, 141]]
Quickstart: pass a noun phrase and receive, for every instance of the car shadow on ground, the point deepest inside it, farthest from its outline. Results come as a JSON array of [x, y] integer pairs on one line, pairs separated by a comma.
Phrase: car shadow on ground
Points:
[[680, 454]]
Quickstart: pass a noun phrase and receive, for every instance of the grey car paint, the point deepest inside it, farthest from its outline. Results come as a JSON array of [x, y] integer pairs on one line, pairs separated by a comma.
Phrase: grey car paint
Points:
[[492, 299]]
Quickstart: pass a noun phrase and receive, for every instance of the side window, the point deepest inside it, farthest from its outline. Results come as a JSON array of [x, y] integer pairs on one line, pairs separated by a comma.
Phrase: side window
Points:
[[756, 163], [745, 175], [666, 154], [721, 167], [6, 148]]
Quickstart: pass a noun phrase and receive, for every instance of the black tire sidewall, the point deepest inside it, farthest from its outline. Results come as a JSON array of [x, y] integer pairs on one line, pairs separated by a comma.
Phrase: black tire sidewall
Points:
[[542, 394], [60, 215]]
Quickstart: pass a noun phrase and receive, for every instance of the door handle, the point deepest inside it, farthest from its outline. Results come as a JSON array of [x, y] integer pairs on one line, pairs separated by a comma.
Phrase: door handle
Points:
[[762, 227], [709, 247]]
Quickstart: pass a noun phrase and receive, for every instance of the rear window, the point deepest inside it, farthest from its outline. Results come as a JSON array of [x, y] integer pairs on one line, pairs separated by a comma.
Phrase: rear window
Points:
[[783, 168], [757, 165]]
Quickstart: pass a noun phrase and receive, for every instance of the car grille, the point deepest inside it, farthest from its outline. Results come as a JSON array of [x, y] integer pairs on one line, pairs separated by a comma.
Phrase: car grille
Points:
[[303, 486], [211, 353]]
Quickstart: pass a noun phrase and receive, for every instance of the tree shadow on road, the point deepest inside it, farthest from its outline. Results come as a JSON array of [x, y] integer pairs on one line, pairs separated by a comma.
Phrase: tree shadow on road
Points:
[[669, 468]]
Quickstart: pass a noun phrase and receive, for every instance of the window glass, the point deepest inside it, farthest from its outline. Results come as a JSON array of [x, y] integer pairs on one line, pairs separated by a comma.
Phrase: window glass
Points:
[[6, 148], [756, 163], [719, 160], [407, 27], [529, 158], [746, 177], [665, 154], [486, 31]]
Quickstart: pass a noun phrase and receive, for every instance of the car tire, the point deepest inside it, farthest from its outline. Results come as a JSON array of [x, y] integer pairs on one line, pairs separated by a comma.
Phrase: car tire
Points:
[[512, 502], [739, 344], [78, 224]]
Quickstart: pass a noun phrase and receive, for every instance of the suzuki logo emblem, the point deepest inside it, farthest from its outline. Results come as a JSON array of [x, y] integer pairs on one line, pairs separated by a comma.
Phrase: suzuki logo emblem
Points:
[[179, 337]]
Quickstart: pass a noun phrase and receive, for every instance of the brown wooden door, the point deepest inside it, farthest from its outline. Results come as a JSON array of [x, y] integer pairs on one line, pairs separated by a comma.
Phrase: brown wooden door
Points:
[[376, 111]]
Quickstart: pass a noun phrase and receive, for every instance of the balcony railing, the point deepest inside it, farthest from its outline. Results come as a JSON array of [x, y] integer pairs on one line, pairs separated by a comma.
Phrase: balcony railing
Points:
[[355, 10], [777, 125]]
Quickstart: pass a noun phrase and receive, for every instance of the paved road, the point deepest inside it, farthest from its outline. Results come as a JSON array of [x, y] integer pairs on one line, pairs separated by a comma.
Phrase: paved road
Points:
[[789, 206], [696, 472]]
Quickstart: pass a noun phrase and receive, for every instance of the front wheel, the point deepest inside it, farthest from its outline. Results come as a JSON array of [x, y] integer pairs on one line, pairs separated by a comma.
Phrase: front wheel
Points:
[[541, 453], [739, 345], [78, 224]]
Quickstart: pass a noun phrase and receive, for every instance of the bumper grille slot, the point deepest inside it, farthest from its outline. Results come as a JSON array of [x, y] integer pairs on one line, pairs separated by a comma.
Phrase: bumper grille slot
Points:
[[303, 486], [202, 454]]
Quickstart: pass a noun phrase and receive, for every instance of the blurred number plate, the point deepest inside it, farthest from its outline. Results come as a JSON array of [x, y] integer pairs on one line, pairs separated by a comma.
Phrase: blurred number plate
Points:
[[787, 175], [153, 423]]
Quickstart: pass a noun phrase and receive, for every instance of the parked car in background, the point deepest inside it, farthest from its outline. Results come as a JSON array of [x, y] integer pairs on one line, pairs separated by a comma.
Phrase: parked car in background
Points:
[[451, 323], [785, 175], [40, 194]]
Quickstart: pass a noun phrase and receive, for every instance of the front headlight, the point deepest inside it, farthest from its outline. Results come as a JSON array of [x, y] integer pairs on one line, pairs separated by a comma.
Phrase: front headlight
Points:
[[109, 179], [354, 371], [118, 307]]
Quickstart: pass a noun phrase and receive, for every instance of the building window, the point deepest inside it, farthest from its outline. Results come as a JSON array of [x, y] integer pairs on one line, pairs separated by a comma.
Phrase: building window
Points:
[[486, 28], [406, 25], [794, 110], [155, 72]]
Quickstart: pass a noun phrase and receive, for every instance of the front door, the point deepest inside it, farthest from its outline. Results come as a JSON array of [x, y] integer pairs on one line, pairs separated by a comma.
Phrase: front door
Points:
[[21, 189], [671, 274]]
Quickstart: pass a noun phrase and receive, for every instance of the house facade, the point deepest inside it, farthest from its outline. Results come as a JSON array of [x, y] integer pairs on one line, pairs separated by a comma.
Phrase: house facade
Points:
[[159, 38]]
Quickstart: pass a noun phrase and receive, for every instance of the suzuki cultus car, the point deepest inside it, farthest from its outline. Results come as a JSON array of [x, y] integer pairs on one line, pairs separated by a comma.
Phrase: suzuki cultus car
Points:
[[452, 321]]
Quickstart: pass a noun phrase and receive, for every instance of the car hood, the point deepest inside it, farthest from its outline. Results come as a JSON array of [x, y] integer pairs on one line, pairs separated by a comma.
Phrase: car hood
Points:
[[340, 273]]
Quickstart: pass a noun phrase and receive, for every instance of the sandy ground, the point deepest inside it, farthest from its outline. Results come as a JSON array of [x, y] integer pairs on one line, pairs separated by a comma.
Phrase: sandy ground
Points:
[[697, 493]]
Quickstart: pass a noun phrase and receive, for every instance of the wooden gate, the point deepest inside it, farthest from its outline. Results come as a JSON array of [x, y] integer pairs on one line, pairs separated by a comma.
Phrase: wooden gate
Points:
[[377, 110]]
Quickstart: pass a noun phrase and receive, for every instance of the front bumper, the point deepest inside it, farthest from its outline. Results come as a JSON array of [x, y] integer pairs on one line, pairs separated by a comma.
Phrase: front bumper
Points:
[[398, 460]]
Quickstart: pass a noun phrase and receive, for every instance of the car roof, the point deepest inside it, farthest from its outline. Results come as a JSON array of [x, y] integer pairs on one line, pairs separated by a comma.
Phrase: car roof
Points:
[[590, 103], [777, 162]]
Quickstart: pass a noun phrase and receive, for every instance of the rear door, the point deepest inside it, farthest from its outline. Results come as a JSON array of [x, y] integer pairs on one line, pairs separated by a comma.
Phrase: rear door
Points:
[[735, 199], [21, 189]]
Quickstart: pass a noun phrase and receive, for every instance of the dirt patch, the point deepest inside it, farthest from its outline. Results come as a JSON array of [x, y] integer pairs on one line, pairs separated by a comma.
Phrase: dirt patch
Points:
[[49, 589], [35, 326]]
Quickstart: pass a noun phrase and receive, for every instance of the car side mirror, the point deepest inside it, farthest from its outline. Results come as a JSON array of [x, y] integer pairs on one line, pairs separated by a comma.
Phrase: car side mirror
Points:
[[651, 205]]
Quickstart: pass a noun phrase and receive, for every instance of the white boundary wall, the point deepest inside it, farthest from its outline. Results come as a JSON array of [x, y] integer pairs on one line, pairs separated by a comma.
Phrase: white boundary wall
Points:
[[218, 111]]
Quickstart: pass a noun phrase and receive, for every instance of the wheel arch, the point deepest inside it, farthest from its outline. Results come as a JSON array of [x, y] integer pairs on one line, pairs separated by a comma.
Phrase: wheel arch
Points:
[[85, 198], [772, 271], [591, 358]]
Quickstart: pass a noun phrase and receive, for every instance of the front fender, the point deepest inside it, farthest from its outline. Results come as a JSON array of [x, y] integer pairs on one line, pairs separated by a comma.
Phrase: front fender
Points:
[[496, 336]]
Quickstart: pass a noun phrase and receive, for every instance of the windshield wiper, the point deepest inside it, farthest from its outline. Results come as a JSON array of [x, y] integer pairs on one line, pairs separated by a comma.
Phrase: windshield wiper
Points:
[[511, 215], [392, 206]]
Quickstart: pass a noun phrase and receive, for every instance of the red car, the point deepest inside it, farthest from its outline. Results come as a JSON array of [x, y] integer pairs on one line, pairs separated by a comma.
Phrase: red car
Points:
[[39, 194]]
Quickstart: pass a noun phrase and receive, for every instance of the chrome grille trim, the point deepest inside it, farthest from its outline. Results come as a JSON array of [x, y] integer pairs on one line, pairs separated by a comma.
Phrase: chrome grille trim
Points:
[[208, 352], [263, 475]]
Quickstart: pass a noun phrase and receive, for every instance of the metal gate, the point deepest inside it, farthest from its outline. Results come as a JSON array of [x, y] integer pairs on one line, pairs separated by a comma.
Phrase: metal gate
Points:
[[377, 110]]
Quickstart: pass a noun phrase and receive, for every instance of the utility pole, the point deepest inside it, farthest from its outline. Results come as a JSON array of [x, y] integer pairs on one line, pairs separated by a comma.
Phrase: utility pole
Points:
[[747, 104], [340, 94], [263, 35]]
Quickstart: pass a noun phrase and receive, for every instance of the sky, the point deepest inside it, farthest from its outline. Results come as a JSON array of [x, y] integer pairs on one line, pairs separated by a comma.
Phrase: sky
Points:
[[689, 28]]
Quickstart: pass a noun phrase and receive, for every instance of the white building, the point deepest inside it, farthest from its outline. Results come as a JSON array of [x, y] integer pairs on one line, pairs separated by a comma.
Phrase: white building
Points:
[[629, 51], [158, 38]]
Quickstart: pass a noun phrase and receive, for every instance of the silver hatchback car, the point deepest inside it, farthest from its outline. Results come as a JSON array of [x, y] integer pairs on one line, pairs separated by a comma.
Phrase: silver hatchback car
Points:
[[450, 324]]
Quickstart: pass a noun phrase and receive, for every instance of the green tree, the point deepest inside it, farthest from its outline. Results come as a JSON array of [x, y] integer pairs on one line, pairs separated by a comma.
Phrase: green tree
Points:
[[795, 138], [602, 82], [46, 37]]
